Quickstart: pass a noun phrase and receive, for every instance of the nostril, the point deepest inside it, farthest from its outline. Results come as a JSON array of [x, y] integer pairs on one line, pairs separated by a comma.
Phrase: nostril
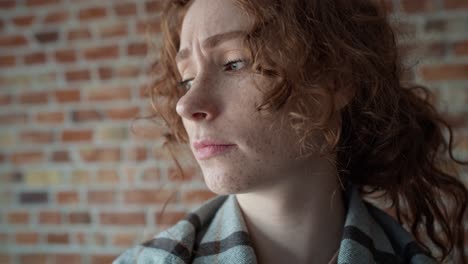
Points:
[[199, 115]]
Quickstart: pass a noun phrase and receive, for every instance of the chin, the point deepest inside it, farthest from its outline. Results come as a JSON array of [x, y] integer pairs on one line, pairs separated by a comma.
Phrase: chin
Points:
[[226, 183]]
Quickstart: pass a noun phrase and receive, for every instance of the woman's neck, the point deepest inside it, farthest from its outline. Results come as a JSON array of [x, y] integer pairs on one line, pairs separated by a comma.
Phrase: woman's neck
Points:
[[298, 223]]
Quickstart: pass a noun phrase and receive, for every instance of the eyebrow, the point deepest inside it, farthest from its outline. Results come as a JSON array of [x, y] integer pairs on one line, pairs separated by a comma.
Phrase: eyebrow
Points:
[[211, 42]]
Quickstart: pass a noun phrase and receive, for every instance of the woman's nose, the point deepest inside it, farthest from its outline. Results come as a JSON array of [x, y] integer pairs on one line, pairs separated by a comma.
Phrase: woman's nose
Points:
[[198, 103]]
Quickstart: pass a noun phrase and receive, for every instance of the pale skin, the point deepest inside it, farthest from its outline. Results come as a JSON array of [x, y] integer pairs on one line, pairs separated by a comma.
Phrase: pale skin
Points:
[[292, 205]]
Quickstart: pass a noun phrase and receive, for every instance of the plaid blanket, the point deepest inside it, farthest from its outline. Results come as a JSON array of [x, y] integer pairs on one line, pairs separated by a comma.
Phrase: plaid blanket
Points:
[[216, 233]]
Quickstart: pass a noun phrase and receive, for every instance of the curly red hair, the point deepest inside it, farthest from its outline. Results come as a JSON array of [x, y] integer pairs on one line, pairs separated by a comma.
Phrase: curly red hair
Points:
[[390, 139]]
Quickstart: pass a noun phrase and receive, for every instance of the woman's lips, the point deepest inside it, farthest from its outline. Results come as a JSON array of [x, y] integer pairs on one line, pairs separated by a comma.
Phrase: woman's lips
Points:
[[208, 151]]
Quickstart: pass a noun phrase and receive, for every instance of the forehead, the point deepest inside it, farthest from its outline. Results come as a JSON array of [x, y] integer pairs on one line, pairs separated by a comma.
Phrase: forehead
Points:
[[206, 18]]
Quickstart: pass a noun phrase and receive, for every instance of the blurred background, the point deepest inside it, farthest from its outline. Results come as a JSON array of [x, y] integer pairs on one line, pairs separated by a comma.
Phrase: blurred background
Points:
[[77, 183]]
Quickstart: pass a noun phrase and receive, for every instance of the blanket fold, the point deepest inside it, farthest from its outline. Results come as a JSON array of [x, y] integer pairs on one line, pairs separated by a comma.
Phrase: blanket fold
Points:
[[217, 233]]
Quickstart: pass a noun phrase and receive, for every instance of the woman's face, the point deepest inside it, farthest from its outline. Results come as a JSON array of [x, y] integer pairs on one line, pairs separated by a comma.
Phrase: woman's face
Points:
[[219, 105]]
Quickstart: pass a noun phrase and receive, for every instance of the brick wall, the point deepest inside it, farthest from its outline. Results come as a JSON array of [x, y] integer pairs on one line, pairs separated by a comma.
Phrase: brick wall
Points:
[[76, 184]]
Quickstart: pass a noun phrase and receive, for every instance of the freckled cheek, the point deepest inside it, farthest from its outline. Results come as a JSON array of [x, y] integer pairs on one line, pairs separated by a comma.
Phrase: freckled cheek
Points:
[[258, 140]]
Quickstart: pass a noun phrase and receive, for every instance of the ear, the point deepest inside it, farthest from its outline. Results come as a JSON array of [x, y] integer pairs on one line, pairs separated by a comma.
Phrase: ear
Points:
[[343, 97]]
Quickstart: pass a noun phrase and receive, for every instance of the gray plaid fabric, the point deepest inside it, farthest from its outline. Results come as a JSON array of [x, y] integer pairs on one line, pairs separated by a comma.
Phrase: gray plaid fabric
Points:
[[216, 233]]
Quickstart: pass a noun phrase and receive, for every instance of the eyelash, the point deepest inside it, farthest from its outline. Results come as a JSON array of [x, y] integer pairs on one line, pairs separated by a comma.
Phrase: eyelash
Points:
[[182, 84]]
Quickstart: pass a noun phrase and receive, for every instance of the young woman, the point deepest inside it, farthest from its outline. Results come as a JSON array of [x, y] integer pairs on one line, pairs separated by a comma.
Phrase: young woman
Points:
[[295, 110]]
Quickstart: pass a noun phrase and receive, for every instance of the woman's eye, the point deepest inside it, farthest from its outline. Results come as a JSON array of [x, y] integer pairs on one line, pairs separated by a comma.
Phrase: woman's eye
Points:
[[186, 84], [234, 65]]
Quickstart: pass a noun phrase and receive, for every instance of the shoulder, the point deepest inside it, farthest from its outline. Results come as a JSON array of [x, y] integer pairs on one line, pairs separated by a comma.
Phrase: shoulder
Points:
[[175, 244], [370, 233]]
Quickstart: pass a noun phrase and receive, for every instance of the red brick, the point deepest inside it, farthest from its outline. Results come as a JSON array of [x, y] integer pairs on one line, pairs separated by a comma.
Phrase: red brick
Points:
[[4, 237], [137, 154], [105, 73], [67, 258], [60, 156], [120, 218], [37, 137], [86, 115], [149, 25], [104, 52], [50, 218], [151, 175], [92, 13], [461, 48], [79, 34], [7, 61], [137, 49], [33, 98], [435, 26], [77, 75], [79, 218], [77, 135], [33, 259], [126, 113], [98, 238], [141, 196], [58, 238], [110, 94], [148, 131], [21, 158], [168, 218], [13, 41], [434, 50], [65, 56], [100, 259], [126, 9], [18, 218], [101, 197], [47, 37], [67, 197], [417, 6], [55, 17], [33, 197], [445, 72], [4, 258], [66, 96], [12, 177], [26, 238], [23, 21], [7, 4], [117, 30], [107, 176], [14, 118], [123, 239], [455, 4], [5, 99], [197, 196], [128, 71], [153, 6], [100, 155], [34, 3], [50, 117], [35, 58]]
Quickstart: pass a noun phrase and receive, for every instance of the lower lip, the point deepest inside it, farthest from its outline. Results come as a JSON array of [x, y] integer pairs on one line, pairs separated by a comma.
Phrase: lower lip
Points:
[[212, 150]]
